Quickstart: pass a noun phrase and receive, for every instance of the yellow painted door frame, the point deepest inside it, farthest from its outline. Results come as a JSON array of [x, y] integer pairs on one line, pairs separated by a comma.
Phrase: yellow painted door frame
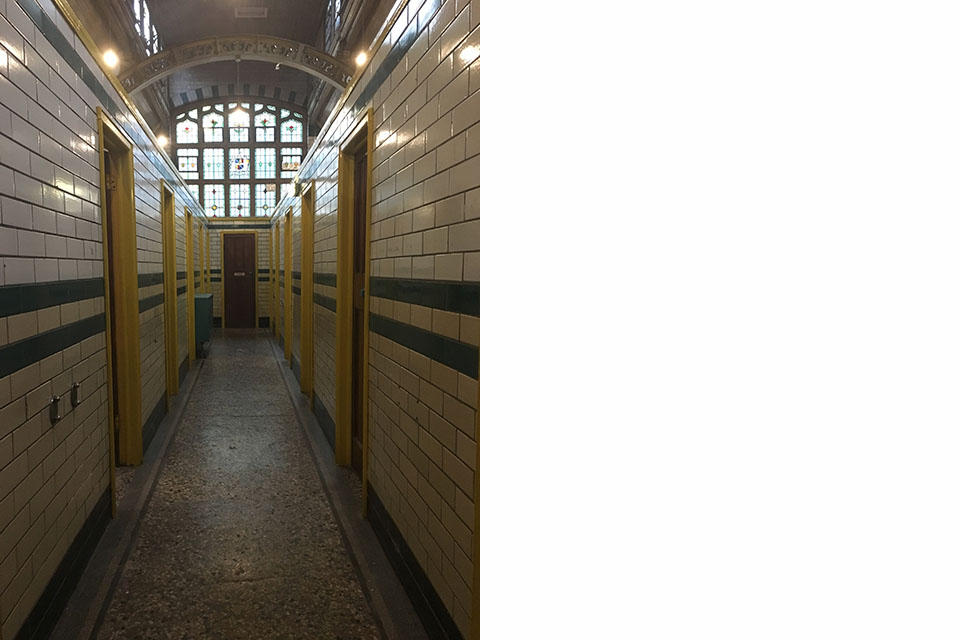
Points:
[[288, 286], [200, 235], [119, 231], [306, 289], [169, 286], [277, 316], [360, 136], [207, 269], [191, 333]]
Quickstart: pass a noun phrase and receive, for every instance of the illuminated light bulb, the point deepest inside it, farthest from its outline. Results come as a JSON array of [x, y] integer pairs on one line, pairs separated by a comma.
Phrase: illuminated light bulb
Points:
[[361, 58], [162, 141], [110, 58], [469, 54]]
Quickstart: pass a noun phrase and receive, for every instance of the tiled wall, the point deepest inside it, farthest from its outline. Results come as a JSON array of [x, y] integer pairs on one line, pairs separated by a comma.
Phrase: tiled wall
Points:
[[424, 87], [52, 476]]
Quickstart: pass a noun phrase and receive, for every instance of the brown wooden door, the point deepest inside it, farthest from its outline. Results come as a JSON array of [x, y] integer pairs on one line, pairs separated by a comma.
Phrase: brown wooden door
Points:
[[359, 280], [239, 281]]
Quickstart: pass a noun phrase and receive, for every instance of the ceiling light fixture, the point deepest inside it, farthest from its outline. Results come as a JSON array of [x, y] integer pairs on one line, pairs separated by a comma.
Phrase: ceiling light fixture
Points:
[[110, 58], [162, 141], [238, 110], [361, 58]]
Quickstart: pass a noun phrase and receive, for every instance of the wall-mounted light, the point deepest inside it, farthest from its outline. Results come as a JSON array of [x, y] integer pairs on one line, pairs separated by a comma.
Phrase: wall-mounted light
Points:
[[162, 141], [361, 58], [110, 58]]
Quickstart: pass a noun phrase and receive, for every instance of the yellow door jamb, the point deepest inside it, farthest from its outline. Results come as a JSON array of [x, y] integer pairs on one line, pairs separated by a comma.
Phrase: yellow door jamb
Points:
[[288, 286], [277, 316], [123, 336], [306, 289], [362, 134], [169, 286], [191, 333]]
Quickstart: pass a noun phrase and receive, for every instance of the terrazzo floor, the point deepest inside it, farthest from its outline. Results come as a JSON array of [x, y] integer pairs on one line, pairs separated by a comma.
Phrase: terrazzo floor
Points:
[[238, 539]]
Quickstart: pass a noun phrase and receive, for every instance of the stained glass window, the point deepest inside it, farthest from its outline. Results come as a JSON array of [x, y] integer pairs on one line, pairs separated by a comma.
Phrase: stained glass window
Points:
[[266, 127], [239, 125], [187, 132], [213, 200], [291, 131], [240, 164], [289, 161], [265, 164], [213, 127], [195, 190], [187, 163], [240, 200], [266, 199], [263, 157], [213, 164]]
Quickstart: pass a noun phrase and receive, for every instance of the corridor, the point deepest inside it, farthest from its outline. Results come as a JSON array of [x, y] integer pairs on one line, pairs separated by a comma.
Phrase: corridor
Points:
[[238, 539]]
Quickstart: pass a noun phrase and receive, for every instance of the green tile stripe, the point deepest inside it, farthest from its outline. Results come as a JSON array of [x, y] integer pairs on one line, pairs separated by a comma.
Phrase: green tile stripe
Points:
[[463, 357], [21, 298], [47, 28], [181, 275], [181, 290], [214, 279], [329, 279], [325, 301], [458, 297], [22, 353], [149, 279], [151, 302], [296, 290], [267, 279], [295, 274]]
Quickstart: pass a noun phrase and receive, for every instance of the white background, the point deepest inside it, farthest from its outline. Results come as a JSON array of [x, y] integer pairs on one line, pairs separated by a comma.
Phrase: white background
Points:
[[721, 320]]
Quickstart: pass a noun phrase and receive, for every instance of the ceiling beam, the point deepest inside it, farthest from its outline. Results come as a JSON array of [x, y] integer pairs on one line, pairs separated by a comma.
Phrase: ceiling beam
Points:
[[290, 53]]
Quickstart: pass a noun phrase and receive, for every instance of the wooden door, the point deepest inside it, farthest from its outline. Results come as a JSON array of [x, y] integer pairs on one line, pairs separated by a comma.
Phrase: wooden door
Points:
[[239, 281], [358, 282]]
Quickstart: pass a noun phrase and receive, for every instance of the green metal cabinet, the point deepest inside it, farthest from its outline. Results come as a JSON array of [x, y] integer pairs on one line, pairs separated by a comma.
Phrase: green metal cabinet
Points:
[[203, 316]]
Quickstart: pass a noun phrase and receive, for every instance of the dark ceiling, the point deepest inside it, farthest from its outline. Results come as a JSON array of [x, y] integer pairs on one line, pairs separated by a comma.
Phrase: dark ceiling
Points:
[[180, 21]]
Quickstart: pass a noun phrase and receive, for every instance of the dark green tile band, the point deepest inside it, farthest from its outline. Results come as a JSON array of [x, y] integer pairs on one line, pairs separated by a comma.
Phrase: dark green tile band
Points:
[[263, 270], [21, 298], [267, 279], [214, 279], [214, 270], [296, 275], [325, 301], [296, 290], [149, 279], [329, 279], [181, 290], [463, 357], [458, 297], [22, 353], [151, 302], [181, 275]]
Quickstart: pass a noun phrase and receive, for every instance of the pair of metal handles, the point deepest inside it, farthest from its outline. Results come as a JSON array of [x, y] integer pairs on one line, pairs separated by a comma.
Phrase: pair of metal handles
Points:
[[55, 416]]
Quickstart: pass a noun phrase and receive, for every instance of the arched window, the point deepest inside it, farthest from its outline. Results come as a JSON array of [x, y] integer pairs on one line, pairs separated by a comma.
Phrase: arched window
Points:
[[232, 170]]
